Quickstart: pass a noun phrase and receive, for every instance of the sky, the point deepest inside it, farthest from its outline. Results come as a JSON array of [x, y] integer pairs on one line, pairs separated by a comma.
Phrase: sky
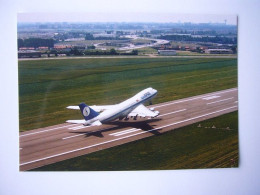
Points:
[[126, 17]]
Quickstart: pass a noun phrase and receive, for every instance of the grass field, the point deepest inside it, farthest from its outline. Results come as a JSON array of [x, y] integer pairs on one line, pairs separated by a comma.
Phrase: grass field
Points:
[[184, 148], [147, 51], [46, 87]]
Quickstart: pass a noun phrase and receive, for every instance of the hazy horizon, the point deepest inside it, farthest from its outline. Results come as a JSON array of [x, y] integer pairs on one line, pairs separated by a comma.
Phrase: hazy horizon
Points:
[[125, 17]]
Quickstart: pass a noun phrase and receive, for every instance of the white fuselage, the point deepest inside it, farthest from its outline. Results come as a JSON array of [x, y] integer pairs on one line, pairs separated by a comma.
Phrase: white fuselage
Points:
[[124, 108]]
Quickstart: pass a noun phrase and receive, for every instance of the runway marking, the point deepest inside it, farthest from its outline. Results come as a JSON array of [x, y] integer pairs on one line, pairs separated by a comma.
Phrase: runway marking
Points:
[[125, 132], [79, 127], [195, 98], [84, 134], [220, 101], [46, 130], [211, 97], [172, 112], [73, 136], [120, 138], [122, 131]]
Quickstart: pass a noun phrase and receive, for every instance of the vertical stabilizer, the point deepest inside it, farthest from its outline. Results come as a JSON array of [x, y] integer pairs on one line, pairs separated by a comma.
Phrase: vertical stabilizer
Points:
[[87, 112]]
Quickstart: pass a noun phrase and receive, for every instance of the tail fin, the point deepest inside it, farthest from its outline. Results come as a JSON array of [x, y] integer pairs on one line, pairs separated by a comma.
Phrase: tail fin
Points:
[[87, 112]]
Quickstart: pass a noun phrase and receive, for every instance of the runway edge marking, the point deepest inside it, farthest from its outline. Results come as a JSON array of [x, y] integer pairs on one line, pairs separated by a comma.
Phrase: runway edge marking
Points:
[[86, 147], [46, 130]]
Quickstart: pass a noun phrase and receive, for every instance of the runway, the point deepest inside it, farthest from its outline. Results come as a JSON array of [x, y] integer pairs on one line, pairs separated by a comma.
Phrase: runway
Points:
[[52, 144]]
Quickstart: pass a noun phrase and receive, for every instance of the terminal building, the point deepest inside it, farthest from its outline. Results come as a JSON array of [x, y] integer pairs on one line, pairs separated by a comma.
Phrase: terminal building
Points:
[[167, 52]]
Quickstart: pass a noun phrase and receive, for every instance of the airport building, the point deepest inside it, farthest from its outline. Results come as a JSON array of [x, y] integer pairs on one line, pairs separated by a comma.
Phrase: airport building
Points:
[[167, 52], [218, 51], [29, 54]]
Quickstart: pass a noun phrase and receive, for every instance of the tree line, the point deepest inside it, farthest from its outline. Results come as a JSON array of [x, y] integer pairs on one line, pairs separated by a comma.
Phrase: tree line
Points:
[[216, 39], [112, 51], [35, 42], [78, 52]]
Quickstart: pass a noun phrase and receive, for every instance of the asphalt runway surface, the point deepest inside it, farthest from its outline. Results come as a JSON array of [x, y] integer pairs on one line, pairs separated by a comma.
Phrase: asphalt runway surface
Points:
[[56, 143]]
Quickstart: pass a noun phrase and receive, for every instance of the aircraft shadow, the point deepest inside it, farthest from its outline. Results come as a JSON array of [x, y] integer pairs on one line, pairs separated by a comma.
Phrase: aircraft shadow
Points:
[[143, 125]]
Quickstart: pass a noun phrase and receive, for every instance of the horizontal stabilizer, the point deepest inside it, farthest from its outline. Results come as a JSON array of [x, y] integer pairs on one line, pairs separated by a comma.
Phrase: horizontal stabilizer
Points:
[[96, 123], [76, 121], [73, 107], [96, 108]]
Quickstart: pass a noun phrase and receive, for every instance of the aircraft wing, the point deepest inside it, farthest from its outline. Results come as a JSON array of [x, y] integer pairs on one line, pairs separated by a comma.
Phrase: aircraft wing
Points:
[[102, 108], [96, 108], [141, 110]]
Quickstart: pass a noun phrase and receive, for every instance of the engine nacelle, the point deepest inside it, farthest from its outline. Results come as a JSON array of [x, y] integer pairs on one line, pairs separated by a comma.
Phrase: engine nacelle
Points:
[[157, 112]]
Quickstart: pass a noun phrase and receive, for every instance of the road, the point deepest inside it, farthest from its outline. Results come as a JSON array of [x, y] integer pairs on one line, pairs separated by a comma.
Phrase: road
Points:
[[52, 144], [133, 46], [231, 56]]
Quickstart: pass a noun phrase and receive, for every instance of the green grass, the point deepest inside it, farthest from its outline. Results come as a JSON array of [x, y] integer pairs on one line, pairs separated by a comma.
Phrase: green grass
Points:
[[184, 148], [147, 51], [47, 87], [189, 53]]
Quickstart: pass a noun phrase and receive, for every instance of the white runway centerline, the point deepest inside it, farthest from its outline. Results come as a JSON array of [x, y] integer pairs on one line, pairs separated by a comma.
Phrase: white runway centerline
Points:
[[125, 132], [211, 97], [220, 101], [172, 112], [73, 136], [79, 127]]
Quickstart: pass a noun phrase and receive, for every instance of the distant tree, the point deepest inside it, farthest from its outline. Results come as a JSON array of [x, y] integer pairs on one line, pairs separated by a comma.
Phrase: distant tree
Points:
[[216, 39], [89, 36], [91, 47], [76, 52], [38, 42], [20, 43], [135, 52], [113, 51], [234, 48]]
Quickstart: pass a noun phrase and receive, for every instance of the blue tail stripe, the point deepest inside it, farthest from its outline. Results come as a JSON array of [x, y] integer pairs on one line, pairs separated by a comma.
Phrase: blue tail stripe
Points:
[[87, 112]]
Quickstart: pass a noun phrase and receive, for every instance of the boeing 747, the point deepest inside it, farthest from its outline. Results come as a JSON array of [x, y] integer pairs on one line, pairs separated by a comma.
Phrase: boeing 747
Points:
[[132, 107]]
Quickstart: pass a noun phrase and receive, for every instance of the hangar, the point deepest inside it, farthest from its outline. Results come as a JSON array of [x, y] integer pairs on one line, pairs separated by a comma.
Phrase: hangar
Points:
[[167, 52], [29, 54]]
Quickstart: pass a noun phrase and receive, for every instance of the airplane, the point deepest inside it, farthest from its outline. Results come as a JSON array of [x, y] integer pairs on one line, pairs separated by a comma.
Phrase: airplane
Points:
[[132, 107]]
